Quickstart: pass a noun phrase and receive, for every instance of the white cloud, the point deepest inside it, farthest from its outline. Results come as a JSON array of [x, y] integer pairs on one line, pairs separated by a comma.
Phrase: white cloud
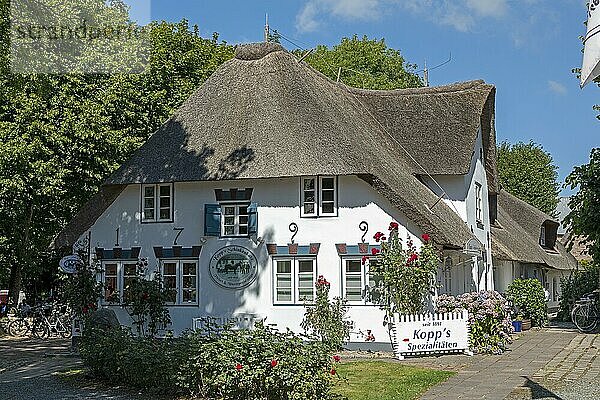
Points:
[[310, 17], [557, 88]]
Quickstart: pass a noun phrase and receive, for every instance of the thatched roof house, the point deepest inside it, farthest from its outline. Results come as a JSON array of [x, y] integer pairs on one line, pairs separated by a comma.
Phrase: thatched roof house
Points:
[[517, 235], [263, 114]]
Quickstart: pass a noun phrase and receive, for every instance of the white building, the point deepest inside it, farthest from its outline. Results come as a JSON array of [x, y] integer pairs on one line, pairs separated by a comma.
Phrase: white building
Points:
[[268, 146]]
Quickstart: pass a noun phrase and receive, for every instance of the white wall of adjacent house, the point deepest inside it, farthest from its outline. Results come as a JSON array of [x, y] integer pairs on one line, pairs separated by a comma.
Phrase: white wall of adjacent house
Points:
[[278, 202], [467, 195]]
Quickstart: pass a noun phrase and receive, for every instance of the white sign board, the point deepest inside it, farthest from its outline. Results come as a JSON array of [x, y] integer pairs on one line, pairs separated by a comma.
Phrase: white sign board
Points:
[[431, 333], [69, 263]]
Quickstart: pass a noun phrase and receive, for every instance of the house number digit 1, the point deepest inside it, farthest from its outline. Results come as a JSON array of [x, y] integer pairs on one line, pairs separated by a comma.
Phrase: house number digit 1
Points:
[[179, 230], [117, 242]]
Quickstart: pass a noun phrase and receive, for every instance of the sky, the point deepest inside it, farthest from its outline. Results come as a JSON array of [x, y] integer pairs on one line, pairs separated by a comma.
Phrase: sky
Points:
[[526, 48]]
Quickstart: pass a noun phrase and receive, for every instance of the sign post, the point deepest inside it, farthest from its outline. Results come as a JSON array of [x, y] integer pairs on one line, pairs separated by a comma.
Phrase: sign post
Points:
[[424, 334]]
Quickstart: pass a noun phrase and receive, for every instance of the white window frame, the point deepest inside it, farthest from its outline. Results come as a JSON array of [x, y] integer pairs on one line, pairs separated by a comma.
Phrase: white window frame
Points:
[[237, 224], [179, 275], [365, 279], [120, 289], [478, 202], [318, 189], [447, 274], [156, 203], [295, 279], [303, 192], [543, 236], [320, 192]]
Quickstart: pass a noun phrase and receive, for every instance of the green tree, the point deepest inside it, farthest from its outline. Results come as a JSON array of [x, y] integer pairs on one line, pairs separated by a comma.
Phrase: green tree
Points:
[[62, 135], [584, 218], [528, 172], [365, 63]]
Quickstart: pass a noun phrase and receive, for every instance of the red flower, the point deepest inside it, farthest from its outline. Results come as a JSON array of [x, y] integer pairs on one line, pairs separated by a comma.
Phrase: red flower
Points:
[[393, 226], [425, 237], [337, 358], [374, 251], [273, 363], [413, 257], [238, 366], [85, 310], [364, 259], [332, 372], [145, 296], [379, 236]]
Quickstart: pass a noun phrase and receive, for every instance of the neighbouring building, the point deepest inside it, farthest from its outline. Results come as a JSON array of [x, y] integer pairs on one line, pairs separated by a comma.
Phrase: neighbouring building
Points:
[[573, 242], [271, 174], [525, 244]]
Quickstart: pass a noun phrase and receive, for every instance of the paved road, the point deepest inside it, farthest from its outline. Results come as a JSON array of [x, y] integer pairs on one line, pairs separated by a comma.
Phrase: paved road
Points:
[[28, 372], [551, 363]]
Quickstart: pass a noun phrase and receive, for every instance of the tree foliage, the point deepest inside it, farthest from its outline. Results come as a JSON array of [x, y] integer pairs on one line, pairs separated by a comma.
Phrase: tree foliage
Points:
[[365, 63], [584, 218], [62, 135], [529, 173]]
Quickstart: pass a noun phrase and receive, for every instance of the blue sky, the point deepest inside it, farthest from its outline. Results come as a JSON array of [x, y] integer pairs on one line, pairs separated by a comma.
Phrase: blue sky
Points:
[[526, 48]]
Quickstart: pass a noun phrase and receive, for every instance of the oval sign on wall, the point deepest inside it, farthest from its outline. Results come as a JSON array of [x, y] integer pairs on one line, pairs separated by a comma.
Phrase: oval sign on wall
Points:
[[233, 267]]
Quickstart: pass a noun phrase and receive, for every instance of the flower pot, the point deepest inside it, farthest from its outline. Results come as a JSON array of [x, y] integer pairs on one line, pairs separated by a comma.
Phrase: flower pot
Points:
[[526, 324], [518, 325]]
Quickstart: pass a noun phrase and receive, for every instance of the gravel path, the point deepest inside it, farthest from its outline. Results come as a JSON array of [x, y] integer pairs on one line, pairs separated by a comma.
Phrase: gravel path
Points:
[[29, 371]]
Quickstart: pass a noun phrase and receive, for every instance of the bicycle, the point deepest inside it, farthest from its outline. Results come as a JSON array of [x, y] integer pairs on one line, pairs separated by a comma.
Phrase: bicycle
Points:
[[586, 315]]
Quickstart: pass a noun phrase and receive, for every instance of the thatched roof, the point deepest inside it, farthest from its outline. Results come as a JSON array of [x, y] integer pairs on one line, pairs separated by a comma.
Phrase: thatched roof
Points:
[[516, 237], [439, 125], [264, 114]]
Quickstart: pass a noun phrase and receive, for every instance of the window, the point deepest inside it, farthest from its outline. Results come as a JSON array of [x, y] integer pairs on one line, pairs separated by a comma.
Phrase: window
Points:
[[294, 280], [117, 276], [231, 219], [543, 236], [356, 281], [181, 277], [235, 220], [478, 204], [448, 275], [318, 196], [157, 202]]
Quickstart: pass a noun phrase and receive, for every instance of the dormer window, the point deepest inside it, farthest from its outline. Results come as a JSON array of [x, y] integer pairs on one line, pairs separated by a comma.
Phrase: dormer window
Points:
[[318, 196]]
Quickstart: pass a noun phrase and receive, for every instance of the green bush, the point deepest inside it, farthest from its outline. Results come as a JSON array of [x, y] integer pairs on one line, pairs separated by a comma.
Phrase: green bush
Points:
[[326, 320], [527, 296], [215, 363], [577, 284]]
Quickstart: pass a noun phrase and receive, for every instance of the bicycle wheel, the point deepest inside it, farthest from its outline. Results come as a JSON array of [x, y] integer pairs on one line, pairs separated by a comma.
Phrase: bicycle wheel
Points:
[[18, 327], [64, 328], [40, 330], [585, 317]]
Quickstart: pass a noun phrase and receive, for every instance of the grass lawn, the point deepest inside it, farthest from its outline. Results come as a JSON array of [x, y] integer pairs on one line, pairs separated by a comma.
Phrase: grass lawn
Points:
[[378, 380]]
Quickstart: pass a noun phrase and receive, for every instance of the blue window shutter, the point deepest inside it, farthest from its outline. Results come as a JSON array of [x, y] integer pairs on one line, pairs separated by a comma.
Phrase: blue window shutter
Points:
[[212, 220], [253, 219]]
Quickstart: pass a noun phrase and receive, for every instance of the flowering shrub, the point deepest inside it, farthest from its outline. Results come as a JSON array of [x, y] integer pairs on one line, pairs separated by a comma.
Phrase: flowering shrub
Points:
[[489, 318], [404, 277], [261, 363], [81, 290], [325, 320], [145, 301], [215, 363], [528, 298]]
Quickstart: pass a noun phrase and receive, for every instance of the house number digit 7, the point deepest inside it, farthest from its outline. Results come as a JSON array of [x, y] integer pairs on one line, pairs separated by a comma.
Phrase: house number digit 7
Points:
[[179, 230]]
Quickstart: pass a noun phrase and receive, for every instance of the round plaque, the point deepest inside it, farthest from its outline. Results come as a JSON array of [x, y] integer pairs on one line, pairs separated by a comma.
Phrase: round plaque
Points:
[[233, 267]]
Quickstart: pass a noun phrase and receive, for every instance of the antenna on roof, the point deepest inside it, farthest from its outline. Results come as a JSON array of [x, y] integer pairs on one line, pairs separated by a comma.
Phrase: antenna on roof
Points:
[[426, 70], [267, 30]]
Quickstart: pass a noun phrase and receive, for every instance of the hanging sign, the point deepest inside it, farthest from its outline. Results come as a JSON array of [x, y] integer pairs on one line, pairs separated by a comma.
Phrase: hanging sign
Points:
[[431, 334], [233, 267], [69, 263], [473, 247]]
